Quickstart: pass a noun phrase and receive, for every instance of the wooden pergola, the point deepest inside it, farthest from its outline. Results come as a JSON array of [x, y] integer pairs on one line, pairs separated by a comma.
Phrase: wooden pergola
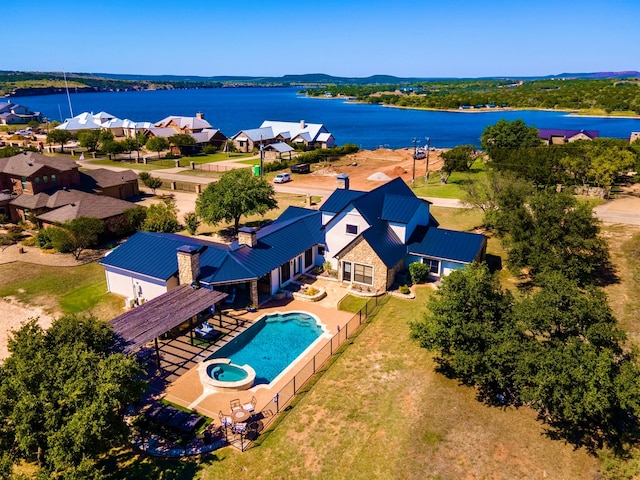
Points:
[[147, 322]]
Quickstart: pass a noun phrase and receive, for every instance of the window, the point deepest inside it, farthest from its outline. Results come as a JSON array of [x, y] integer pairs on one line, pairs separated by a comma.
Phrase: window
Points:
[[352, 229], [320, 249], [308, 258], [346, 271], [54, 179], [434, 265], [285, 272], [37, 180], [363, 274], [23, 180], [45, 178]]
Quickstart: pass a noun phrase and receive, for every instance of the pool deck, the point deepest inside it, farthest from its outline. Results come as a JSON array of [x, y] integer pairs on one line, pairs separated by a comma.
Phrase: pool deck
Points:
[[188, 391]]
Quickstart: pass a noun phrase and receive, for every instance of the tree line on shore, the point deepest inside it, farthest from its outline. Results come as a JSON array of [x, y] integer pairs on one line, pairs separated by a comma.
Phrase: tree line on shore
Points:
[[607, 95]]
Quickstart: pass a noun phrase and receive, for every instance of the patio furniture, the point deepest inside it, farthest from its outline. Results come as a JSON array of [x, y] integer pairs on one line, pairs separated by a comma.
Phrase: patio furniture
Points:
[[177, 419], [251, 405], [239, 428], [191, 423], [225, 420], [231, 298], [240, 415], [236, 404], [207, 332]]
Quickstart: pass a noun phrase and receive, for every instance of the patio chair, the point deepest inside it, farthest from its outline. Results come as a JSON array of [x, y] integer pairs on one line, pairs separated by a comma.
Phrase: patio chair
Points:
[[225, 421], [251, 405], [236, 404], [239, 428]]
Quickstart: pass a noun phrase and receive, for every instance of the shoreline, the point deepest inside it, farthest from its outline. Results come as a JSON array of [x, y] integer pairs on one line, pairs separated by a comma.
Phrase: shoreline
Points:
[[570, 113]]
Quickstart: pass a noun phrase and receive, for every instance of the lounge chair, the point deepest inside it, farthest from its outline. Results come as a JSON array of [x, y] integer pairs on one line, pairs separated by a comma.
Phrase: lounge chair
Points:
[[207, 332]]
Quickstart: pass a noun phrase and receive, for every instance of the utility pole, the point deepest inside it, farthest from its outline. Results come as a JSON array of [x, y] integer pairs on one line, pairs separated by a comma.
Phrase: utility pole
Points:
[[415, 150], [426, 174]]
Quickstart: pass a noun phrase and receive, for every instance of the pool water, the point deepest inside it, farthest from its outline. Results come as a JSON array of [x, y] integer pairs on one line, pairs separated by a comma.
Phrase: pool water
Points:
[[226, 373], [271, 344]]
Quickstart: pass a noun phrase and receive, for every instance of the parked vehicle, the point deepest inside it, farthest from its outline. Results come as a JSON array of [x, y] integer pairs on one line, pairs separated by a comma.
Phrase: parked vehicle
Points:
[[301, 168], [420, 154], [282, 178]]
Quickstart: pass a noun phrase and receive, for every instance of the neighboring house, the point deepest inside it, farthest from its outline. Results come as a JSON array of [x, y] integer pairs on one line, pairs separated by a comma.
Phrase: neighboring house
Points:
[[186, 125], [67, 204], [101, 181], [39, 183], [84, 121], [250, 140], [276, 150], [366, 236], [12, 113], [312, 135], [557, 136], [32, 173], [210, 136], [76, 204]]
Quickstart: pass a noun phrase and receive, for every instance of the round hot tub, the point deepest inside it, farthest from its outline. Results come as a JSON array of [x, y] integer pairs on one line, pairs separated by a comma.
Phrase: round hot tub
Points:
[[221, 373]]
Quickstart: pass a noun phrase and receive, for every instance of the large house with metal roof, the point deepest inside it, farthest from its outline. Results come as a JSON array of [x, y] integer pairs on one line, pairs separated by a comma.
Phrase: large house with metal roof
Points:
[[367, 237], [312, 135]]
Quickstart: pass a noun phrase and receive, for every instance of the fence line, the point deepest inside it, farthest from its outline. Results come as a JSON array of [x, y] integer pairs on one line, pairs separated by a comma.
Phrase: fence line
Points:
[[286, 394]]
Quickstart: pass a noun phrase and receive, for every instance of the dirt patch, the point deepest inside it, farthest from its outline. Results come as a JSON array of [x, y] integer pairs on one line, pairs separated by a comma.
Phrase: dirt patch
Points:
[[14, 314], [361, 165]]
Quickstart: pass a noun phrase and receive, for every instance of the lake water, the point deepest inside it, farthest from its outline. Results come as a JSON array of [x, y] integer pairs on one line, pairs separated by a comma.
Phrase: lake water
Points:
[[369, 126]]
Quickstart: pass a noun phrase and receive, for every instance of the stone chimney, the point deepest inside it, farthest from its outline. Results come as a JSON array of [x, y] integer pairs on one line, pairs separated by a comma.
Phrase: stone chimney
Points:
[[302, 124], [200, 115], [247, 236], [188, 264], [342, 181]]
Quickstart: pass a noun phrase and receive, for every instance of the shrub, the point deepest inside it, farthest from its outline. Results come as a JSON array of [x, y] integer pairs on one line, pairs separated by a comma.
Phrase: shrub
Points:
[[419, 272], [192, 222], [43, 239], [311, 291], [143, 176], [209, 149], [404, 289], [4, 219]]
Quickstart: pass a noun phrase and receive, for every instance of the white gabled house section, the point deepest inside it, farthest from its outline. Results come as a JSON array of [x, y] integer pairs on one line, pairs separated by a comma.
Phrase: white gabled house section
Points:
[[405, 230], [341, 230]]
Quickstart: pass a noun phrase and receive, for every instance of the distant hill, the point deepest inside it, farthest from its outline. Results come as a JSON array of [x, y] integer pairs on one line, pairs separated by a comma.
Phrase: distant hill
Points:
[[598, 75]]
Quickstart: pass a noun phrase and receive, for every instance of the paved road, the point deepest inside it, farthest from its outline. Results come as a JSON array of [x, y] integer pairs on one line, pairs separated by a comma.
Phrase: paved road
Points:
[[625, 212]]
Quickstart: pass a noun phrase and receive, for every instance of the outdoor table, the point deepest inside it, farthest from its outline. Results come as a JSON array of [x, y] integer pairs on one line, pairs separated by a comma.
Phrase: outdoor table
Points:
[[240, 415]]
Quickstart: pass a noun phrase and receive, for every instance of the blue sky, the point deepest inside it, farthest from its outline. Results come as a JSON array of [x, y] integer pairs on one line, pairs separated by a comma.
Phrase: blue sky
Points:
[[422, 38]]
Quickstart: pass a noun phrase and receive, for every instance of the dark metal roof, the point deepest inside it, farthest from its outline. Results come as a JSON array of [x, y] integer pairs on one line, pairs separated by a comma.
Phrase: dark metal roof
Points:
[[452, 245], [547, 133], [385, 243], [150, 320], [400, 208], [339, 199]]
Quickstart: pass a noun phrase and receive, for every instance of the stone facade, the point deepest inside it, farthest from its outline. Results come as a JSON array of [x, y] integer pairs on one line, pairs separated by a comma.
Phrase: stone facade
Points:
[[361, 252], [188, 267]]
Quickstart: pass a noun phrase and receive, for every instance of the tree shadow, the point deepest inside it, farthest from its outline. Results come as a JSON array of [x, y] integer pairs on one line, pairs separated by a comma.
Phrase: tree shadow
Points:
[[127, 463], [494, 262]]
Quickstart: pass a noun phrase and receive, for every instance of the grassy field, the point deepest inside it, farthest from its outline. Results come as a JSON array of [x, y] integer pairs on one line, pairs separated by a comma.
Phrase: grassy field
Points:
[[64, 290], [453, 187]]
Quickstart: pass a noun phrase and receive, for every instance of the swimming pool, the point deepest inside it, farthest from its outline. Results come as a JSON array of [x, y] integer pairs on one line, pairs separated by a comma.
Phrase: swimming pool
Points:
[[272, 343]]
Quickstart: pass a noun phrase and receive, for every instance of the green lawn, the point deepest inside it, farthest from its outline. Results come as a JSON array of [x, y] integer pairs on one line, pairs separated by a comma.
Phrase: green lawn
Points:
[[66, 290], [351, 303], [133, 166], [453, 187]]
